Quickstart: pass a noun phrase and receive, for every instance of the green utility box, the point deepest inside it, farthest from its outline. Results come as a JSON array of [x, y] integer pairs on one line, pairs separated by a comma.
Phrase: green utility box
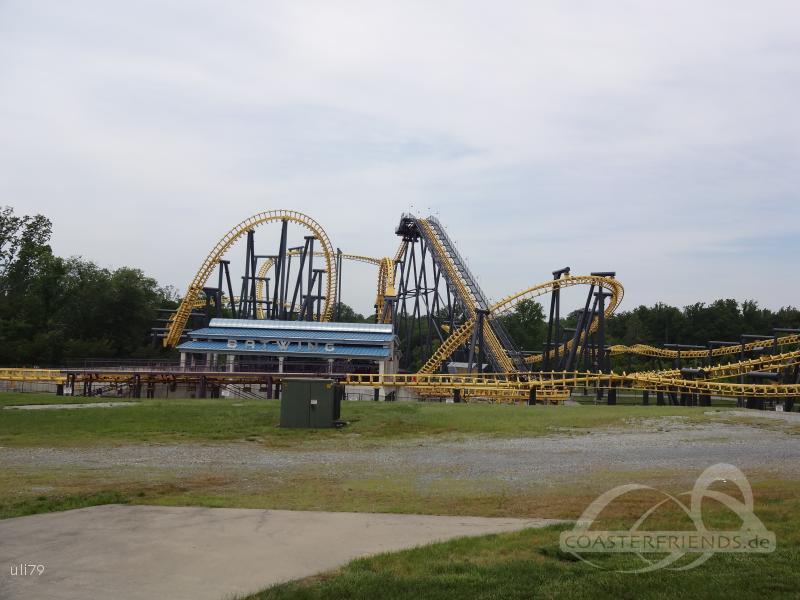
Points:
[[310, 403]]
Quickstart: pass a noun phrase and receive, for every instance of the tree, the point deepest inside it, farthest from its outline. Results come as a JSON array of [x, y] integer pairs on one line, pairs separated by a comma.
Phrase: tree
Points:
[[55, 309], [755, 318], [23, 246], [526, 325], [346, 314], [634, 330]]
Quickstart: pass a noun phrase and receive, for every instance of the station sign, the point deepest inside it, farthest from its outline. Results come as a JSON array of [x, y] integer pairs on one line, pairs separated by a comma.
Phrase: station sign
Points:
[[281, 346]]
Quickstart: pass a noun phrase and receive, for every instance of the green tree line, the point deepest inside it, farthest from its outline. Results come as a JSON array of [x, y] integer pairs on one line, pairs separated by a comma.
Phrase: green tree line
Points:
[[660, 324], [698, 323], [55, 309]]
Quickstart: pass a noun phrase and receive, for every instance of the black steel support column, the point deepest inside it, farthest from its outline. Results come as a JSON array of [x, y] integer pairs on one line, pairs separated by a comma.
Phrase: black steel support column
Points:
[[581, 336], [225, 266], [320, 272], [298, 287], [279, 294], [310, 289], [602, 354], [339, 284], [741, 401], [473, 342], [612, 395], [554, 321], [482, 319], [247, 297]]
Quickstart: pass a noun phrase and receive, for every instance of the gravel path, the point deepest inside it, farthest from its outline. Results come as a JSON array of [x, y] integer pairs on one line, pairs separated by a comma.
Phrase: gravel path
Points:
[[652, 444], [790, 417], [68, 406]]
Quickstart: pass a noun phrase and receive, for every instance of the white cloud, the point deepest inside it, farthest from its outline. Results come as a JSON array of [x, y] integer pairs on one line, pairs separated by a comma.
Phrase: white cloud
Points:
[[637, 136]]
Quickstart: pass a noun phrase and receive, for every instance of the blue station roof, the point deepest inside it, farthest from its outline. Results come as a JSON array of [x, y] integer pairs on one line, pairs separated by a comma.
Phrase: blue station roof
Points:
[[287, 338], [291, 349], [262, 333], [303, 325]]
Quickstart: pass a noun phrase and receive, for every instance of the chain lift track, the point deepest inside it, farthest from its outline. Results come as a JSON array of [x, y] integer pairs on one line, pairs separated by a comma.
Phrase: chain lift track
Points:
[[433, 274]]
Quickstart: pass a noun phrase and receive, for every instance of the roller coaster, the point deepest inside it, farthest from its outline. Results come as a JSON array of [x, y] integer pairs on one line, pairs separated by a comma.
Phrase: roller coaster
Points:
[[453, 340]]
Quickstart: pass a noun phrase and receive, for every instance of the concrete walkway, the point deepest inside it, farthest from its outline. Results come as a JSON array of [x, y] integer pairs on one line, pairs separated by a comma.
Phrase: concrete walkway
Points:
[[146, 552]]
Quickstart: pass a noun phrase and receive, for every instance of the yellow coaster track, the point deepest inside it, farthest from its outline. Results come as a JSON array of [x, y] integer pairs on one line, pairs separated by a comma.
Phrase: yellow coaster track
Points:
[[181, 316], [385, 278], [507, 304], [731, 350], [511, 383], [495, 347]]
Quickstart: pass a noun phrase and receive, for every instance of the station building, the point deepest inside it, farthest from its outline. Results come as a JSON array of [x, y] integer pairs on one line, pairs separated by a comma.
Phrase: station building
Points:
[[291, 347]]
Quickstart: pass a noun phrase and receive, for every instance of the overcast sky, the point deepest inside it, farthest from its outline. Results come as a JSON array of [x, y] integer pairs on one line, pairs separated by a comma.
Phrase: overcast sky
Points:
[[658, 139]]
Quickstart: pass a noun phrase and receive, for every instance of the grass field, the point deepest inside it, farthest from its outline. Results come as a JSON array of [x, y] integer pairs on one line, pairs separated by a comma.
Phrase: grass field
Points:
[[520, 565], [161, 421], [530, 564], [254, 422]]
